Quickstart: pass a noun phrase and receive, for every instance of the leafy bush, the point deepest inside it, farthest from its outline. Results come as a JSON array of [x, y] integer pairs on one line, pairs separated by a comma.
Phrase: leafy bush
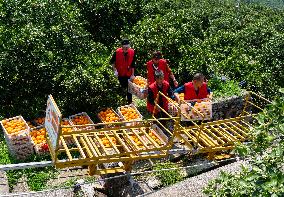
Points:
[[168, 177], [224, 88], [215, 38], [264, 175], [45, 50]]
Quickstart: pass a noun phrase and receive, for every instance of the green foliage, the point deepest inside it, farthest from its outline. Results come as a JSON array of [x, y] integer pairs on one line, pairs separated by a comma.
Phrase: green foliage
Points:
[[225, 88], [168, 177], [215, 38], [46, 50], [106, 19], [264, 175]]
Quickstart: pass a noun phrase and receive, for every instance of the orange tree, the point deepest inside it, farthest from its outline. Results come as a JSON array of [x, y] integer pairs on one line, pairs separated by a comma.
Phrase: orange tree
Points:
[[215, 38], [45, 50]]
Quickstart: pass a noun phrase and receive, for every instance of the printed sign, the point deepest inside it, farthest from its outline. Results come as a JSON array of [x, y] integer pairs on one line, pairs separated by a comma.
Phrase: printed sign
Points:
[[52, 121]]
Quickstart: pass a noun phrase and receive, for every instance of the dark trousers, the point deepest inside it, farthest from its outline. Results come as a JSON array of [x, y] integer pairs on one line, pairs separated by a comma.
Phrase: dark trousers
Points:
[[124, 88]]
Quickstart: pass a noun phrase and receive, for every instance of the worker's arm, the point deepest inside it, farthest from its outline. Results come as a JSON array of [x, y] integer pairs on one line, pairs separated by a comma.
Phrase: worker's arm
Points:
[[112, 62], [171, 74], [210, 93], [177, 92]]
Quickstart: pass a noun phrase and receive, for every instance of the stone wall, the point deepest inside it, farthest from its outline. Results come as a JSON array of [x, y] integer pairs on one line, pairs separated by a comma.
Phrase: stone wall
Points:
[[228, 107]]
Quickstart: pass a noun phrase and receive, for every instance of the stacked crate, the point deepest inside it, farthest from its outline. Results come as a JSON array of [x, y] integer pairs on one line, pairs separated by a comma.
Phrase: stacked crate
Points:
[[17, 136]]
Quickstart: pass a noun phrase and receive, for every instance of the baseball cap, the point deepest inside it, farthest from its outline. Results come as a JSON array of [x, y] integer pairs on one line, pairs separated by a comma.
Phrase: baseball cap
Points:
[[125, 42]]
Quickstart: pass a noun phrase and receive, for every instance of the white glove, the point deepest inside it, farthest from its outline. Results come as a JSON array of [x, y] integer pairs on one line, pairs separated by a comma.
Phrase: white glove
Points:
[[116, 73]]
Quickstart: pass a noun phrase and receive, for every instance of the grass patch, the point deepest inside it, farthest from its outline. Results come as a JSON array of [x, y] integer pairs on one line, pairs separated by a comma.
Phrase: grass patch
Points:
[[36, 177]]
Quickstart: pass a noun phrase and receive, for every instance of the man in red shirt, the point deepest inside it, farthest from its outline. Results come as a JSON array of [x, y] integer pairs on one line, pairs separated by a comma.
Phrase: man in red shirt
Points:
[[156, 64], [123, 64], [159, 85], [197, 89]]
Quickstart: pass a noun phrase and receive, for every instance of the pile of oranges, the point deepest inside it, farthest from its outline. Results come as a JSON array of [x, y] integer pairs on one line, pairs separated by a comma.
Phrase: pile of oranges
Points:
[[201, 108], [14, 126], [129, 113], [66, 130], [39, 121], [140, 82], [108, 116], [38, 136], [107, 143], [80, 120], [137, 141], [154, 137]]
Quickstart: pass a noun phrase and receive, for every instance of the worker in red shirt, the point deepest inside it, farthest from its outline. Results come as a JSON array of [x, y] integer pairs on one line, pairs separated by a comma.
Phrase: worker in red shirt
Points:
[[157, 63], [159, 85], [197, 89], [123, 64]]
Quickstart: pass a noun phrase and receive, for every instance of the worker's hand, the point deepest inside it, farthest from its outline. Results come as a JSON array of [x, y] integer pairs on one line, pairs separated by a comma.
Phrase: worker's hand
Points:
[[116, 73], [132, 77], [175, 83], [210, 96]]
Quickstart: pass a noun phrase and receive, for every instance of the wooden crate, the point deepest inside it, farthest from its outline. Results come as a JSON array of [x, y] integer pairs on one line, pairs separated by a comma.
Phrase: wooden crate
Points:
[[71, 118], [204, 106], [19, 143], [39, 148], [140, 117], [136, 90]]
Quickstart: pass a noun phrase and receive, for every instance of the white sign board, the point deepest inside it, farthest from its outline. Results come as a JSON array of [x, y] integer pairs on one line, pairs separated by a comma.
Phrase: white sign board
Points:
[[52, 121]]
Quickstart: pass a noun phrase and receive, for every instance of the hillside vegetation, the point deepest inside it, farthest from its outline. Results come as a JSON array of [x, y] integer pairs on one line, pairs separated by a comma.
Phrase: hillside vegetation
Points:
[[63, 47]]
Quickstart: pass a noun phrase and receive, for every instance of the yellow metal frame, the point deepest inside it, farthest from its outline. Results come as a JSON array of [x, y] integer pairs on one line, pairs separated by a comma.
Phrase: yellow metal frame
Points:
[[205, 137]]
